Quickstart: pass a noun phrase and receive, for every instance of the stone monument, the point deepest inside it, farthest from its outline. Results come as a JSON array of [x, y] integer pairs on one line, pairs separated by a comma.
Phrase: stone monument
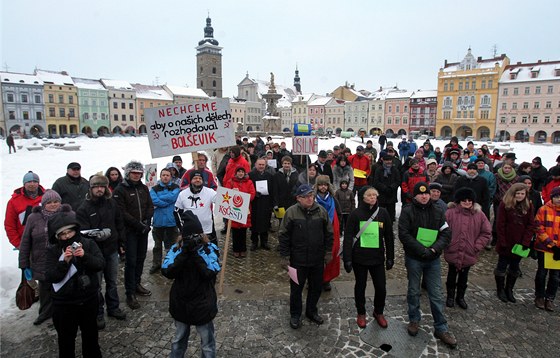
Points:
[[272, 121]]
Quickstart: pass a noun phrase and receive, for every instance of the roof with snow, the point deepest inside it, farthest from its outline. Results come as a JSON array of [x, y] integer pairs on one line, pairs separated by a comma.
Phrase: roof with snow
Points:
[[319, 101], [544, 71], [86, 83], [304, 97], [400, 94], [22, 78], [54, 77], [424, 94], [151, 92], [117, 84], [186, 91]]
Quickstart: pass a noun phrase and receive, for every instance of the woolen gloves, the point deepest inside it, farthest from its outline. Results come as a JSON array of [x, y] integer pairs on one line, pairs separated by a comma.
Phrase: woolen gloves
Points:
[[348, 266], [556, 253], [389, 264]]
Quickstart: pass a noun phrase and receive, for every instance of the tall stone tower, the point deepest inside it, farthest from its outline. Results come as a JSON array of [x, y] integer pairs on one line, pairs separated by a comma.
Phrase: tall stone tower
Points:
[[297, 83], [209, 63]]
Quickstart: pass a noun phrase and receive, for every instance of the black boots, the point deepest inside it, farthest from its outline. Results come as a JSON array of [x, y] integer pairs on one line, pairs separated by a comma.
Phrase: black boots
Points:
[[500, 287], [461, 298], [450, 296], [510, 283]]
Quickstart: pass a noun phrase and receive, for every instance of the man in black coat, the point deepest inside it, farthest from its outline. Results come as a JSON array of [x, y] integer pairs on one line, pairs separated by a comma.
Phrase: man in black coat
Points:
[[284, 185], [323, 168], [261, 206], [386, 180], [100, 214], [72, 187], [538, 173], [478, 184]]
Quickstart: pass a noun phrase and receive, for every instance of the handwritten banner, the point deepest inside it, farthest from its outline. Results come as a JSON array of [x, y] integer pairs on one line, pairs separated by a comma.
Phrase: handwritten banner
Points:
[[233, 204], [305, 145], [189, 127]]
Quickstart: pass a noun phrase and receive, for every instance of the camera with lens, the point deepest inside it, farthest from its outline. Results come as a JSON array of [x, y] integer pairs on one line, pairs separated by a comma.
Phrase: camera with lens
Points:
[[76, 245], [193, 242]]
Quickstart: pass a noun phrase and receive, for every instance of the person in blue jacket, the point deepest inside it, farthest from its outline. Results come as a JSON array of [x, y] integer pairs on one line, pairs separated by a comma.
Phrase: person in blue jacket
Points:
[[164, 195]]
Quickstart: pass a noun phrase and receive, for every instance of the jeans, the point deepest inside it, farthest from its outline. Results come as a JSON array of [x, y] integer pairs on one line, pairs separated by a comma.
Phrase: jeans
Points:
[[315, 276], [110, 272], [180, 342], [67, 318], [162, 235], [136, 249], [540, 280], [508, 264], [431, 271], [377, 273]]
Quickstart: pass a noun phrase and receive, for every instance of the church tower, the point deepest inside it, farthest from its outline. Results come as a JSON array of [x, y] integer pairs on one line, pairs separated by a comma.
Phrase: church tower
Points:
[[209, 63], [297, 83]]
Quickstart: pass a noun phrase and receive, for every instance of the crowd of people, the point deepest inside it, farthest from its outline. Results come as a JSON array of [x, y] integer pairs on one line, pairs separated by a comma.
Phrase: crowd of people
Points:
[[456, 202]]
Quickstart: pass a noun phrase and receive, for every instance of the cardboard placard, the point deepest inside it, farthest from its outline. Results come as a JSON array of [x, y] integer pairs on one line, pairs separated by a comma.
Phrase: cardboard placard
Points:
[[233, 204]]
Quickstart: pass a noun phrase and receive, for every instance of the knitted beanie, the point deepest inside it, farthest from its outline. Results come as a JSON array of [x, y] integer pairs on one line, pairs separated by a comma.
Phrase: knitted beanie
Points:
[[30, 176], [50, 196]]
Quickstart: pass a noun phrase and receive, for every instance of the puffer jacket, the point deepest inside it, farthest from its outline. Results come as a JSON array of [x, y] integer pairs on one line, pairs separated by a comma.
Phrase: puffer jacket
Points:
[[513, 227], [192, 299], [387, 186], [17, 211], [447, 182], [74, 291], [135, 203], [354, 252], [164, 197], [244, 185], [426, 216], [343, 173], [470, 233], [548, 227], [73, 191], [345, 199], [362, 163], [305, 235], [34, 244], [409, 180]]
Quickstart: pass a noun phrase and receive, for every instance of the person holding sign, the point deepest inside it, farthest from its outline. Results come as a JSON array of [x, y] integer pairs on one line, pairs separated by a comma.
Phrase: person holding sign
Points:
[[261, 207], [548, 244], [242, 183], [369, 247], [424, 234], [305, 242], [470, 233], [515, 227]]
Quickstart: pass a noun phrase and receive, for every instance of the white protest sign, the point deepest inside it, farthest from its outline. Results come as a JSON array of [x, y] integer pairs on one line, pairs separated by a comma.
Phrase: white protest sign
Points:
[[305, 145], [151, 177], [233, 204], [189, 127]]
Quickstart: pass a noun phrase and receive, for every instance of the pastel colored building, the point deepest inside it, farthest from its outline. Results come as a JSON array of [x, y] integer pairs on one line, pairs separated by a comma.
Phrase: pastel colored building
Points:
[[299, 108], [149, 97], [184, 94], [334, 116], [93, 106], [423, 109], [529, 102], [61, 102], [22, 104], [468, 96], [397, 113], [122, 105], [285, 110], [316, 113], [356, 115], [237, 107]]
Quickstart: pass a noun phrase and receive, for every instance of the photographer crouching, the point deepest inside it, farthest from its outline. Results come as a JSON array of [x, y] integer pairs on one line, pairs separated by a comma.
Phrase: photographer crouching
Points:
[[72, 266], [193, 263]]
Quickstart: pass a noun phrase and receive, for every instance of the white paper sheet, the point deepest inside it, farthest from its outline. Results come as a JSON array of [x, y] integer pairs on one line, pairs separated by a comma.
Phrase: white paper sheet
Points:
[[71, 271], [262, 186]]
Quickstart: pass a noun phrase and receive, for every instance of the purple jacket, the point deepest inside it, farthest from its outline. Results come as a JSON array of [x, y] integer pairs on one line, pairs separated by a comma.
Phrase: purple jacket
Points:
[[470, 232]]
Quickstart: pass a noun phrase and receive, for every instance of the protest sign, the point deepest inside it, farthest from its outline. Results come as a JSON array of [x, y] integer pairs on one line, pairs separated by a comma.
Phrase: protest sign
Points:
[[189, 127], [305, 145], [233, 204], [151, 177]]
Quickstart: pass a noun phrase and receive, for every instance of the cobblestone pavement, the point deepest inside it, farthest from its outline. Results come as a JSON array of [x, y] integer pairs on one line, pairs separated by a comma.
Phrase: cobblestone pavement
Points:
[[254, 313]]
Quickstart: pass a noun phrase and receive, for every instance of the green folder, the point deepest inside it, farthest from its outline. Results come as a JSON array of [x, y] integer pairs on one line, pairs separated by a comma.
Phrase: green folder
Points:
[[519, 250], [426, 237], [370, 237]]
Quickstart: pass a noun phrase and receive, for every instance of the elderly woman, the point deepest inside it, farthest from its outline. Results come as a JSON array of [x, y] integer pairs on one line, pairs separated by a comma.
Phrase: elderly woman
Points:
[[33, 249], [369, 248]]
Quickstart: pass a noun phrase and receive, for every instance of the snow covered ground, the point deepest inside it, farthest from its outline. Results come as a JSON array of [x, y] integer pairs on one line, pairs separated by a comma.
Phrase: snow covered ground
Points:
[[96, 155]]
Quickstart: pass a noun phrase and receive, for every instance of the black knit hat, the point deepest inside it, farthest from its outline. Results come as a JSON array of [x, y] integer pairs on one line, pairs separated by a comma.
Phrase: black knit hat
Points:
[[420, 188], [195, 173], [62, 220], [191, 224], [464, 193]]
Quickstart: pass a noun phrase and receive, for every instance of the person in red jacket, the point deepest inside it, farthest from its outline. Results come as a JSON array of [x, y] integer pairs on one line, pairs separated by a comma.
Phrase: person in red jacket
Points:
[[552, 182], [242, 183], [360, 162], [236, 160], [20, 205], [410, 178]]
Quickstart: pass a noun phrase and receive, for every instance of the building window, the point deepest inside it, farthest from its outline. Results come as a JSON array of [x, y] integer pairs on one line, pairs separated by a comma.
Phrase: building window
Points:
[[131, 117], [201, 83], [60, 98], [460, 101], [536, 105], [86, 116], [95, 116], [406, 109], [213, 83], [458, 114], [122, 95], [484, 114], [483, 84], [485, 100], [71, 113], [550, 89], [131, 106], [116, 117], [490, 83], [473, 85], [504, 105], [390, 108], [389, 120], [514, 105], [93, 103], [451, 86], [547, 119], [502, 120], [525, 105], [405, 120], [71, 99], [515, 91], [460, 86], [557, 119], [10, 97], [214, 70], [123, 105], [37, 98], [102, 116], [535, 119], [548, 104], [201, 70], [398, 109], [466, 85], [527, 90], [524, 119], [123, 117], [446, 114], [445, 86], [51, 111], [505, 92], [538, 90], [115, 105], [39, 116], [12, 114], [24, 98], [512, 120], [62, 112]]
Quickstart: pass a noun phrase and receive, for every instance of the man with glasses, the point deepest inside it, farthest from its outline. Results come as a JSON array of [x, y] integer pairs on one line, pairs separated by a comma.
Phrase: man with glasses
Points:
[[305, 243], [72, 187], [207, 176]]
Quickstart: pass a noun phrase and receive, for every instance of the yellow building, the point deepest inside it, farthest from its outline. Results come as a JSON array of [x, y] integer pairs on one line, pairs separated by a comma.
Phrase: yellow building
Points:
[[468, 96], [61, 102]]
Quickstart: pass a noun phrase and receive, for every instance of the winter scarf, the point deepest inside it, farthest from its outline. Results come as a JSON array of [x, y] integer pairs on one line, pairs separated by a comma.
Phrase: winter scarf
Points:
[[387, 170], [471, 176], [328, 203], [507, 177]]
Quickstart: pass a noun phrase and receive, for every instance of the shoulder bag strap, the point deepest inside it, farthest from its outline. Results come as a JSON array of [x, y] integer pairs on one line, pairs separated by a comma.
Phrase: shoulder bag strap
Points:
[[357, 237]]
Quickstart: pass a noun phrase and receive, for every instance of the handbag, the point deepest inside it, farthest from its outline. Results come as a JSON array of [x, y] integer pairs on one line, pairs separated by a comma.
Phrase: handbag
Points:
[[25, 294]]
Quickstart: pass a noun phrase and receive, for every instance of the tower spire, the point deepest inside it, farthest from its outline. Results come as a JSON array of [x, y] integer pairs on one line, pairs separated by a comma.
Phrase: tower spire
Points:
[[297, 83]]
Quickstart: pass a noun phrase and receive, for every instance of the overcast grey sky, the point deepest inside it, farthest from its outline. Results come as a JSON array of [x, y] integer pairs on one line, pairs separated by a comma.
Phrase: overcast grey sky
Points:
[[366, 42]]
